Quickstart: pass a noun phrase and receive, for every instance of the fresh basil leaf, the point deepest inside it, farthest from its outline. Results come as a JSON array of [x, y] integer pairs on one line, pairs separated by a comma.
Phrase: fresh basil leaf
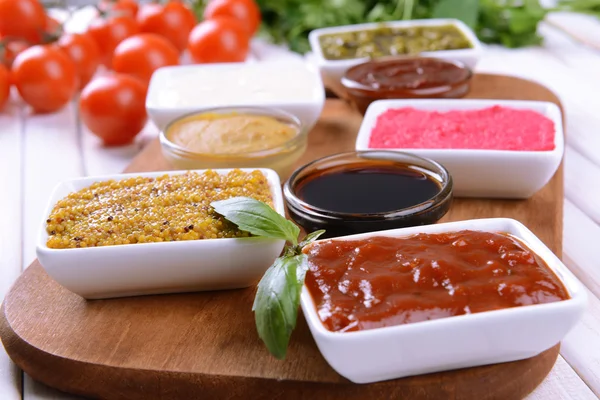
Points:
[[311, 237], [276, 302], [258, 218], [465, 10]]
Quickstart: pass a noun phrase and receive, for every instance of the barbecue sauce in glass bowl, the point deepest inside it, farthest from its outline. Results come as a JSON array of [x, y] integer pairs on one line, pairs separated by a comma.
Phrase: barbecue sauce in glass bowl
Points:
[[405, 78], [368, 191]]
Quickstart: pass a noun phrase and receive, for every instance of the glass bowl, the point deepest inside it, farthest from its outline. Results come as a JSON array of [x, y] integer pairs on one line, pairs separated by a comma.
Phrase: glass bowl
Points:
[[280, 158], [405, 78], [311, 217]]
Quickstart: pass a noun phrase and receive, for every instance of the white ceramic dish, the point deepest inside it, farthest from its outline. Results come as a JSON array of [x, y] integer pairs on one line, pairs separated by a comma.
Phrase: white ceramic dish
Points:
[[290, 85], [333, 70], [152, 268], [482, 173], [454, 342]]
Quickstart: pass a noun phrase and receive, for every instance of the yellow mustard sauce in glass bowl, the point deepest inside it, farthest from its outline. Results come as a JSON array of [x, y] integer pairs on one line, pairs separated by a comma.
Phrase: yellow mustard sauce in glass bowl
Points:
[[242, 137]]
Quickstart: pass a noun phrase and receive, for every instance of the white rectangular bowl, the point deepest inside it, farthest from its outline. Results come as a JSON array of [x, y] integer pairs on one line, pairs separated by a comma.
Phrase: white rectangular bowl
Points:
[[153, 268], [482, 173], [290, 85], [454, 342], [334, 70]]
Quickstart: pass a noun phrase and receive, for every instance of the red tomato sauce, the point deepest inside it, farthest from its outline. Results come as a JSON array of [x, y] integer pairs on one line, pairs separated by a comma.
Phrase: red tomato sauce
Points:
[[382, 281], [493, 128]]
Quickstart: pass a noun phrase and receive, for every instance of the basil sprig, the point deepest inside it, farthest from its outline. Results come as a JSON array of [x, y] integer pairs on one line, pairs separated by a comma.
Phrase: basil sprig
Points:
[[258, 218], [278, 296]]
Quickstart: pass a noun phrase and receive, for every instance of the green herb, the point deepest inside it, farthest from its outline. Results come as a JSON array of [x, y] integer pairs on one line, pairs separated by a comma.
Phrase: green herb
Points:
[[258, 218], [582, 6], [465, 10], [512, 23], [278, 296], [276, 302]]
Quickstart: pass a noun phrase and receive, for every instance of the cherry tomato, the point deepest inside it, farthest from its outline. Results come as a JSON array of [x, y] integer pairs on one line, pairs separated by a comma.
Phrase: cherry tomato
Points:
[[174, 21], [142, 54], [126, 7], [45, 77], [245, 11], [4, 85], [220, 39], [9, 49], [113, 108], [52, 27], [109, 32], [23, 19], [84, 52]]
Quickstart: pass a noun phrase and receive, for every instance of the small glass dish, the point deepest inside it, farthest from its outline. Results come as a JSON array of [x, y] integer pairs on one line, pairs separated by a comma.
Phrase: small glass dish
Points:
[[280, 158], [406, 78], [311, 217]]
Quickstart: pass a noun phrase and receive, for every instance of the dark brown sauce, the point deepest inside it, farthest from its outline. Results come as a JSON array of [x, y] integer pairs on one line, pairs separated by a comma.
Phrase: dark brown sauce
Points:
[[367, 188], [408, 74]]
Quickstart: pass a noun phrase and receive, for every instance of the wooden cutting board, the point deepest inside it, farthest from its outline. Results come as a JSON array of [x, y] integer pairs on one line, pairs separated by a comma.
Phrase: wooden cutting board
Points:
[[204, 345]]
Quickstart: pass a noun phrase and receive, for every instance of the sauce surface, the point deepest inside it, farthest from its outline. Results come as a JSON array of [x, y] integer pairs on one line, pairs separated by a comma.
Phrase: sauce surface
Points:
[[492, 128], [371, 187], [382, 281], [230, 134], [143, 209], [408, 74], [391, 41]]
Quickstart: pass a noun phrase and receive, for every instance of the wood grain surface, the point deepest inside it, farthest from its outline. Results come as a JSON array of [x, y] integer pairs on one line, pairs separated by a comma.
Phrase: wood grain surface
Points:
[[188, 346]]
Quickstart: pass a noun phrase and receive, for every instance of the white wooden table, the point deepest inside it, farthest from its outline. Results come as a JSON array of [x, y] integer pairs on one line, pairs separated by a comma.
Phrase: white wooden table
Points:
[[38, 151]]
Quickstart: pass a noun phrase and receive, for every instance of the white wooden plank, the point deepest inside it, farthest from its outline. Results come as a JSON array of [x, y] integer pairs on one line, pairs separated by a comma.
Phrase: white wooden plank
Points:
[[101, 160], [79, 20], [584, 28], [583, 129], [51, 155], [580, 246], [265, 52], [562, 384], [581, 347], [10, 233], [582, 183], [571, 50]]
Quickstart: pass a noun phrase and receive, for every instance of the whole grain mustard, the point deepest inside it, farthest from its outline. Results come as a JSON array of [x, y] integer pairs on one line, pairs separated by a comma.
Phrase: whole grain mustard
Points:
[[142, 210]]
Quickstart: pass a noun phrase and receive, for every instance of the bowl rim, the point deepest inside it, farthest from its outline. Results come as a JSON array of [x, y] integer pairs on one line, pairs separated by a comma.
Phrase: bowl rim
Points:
[[277, 113], [575, 289], [550, 110], [446, 182], [315, 34], [41, 243]]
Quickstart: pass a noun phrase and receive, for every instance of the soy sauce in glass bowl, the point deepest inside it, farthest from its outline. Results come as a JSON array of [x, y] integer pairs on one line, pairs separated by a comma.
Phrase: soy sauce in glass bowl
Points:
[[366, 191]]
